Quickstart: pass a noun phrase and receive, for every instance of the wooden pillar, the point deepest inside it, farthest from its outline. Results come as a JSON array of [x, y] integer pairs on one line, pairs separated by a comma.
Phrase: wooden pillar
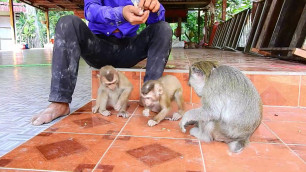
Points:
[[206, 26], [47, 25], [179, 27], [12, 20], [212, 16], [199, 24], [224, 10]]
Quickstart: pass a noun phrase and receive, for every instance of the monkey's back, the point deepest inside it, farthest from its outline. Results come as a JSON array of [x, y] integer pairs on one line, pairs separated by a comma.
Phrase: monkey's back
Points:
[[170, 83], [234, 97]]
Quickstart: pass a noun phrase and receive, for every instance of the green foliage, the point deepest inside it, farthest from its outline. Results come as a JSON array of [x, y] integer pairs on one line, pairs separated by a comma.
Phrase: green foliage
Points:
[[232, 7], [191, 26], [26, 27]]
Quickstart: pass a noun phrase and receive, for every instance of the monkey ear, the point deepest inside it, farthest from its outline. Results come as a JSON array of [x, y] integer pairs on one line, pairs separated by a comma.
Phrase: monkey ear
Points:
[[158, 89]]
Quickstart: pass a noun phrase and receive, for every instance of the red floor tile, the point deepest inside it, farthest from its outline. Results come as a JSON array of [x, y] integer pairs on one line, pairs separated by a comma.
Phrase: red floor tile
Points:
[[54, 151], [264, 135], [255, 157], [300, 150], [137, 126], [284, 114], [289, 132], [148, 154], [92, 123], [277, 90], [303, 92]]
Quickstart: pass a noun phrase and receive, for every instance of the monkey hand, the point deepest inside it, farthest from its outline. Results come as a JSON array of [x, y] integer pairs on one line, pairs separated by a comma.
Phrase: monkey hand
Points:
[[123, 114], [105, 113], [146, 112], [151, 123], [182, 126], [176, 116], [95, 109], [118, 106]]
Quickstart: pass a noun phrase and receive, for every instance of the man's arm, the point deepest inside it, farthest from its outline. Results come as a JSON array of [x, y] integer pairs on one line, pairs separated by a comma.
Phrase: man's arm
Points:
[[97, 13], [157, 11], [158, 16]]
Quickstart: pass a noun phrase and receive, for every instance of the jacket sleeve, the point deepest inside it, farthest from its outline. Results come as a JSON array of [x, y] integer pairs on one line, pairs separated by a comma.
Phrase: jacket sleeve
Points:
[[158, 16], [95, 12]]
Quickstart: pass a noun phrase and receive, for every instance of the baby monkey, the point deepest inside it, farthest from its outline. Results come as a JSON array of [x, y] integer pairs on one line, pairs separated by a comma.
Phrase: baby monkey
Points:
[[114, 91], [157, 95]]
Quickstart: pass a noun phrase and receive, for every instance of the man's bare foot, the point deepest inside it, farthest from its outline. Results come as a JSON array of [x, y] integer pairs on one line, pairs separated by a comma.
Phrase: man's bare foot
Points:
[[54, 110]]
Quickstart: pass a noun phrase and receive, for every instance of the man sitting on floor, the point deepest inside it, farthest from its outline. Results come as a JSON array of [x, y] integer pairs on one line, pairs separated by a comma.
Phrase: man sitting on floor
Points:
[[109, 39]]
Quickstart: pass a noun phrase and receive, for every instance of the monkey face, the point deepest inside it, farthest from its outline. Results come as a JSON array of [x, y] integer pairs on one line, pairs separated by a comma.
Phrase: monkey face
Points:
[[149, 99], [196, 79], [112, 86]]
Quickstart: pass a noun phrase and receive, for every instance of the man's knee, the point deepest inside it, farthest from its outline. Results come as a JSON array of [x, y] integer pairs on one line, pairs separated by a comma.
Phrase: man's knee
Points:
[[163, 29], [68, 21]]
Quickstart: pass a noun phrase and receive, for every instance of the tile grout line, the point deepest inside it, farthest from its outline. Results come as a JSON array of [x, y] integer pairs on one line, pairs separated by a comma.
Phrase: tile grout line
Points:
[[299, 96], [114, 140], [170, 138], [204, 167], [283, 142], [24, 169]]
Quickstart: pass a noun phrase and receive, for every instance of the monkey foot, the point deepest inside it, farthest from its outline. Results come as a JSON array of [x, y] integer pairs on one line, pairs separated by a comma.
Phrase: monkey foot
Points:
[[182, 126], [123, 114], [105, 113], [176, 116], [146, 112], [54, 110], [151, 123]]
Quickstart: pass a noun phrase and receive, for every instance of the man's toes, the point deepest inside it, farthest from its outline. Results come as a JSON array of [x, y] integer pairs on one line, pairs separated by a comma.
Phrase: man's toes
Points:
[[37, 121]]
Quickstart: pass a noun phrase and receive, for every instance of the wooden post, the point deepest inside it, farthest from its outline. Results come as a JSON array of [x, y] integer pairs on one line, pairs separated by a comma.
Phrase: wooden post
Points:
[[179, 26], [224, 10], [206, 26], [12, 21], [47, 25], [213, 15], [199, 17]]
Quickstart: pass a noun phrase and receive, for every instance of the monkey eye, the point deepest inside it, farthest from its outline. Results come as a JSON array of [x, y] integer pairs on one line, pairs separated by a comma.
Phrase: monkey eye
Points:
[[196, 70]]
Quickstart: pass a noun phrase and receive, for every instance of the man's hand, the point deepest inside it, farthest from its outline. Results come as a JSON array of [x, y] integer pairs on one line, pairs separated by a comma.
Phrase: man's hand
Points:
[[135, 15], [151, 5]]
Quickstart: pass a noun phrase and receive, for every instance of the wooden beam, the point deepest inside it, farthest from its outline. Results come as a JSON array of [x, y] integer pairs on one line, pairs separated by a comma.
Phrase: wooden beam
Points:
[[300, 52], [270, 22], [264, 53], [179, 26], [212, 15], [224, 10], [300, 31], [186, 3], [12, 21], [47, 25], [199, 23]]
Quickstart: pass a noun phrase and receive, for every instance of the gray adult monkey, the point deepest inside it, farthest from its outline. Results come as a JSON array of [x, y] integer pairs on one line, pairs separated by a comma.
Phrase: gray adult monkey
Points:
[[231, 107]]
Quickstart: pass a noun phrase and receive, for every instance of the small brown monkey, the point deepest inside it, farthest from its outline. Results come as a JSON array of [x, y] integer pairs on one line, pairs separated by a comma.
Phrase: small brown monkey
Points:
[[231, 106], [114, 91], [157, 96]]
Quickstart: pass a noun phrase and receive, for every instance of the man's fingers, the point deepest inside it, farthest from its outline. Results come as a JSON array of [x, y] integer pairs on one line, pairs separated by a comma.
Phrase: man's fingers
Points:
[[147, 4], [137, 11], [156, 8], [139, 19], [152, 5], [140, 4]]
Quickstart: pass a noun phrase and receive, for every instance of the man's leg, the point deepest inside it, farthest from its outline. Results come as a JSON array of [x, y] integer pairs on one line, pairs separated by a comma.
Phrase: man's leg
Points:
[[72, 39], [153, 43]]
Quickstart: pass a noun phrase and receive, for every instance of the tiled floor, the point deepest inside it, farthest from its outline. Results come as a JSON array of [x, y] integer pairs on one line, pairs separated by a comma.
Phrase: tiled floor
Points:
[[84, 141], [25, 84]]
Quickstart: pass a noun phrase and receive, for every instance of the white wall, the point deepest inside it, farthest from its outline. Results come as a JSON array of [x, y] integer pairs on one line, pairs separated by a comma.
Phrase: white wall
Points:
[[6, 42]]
